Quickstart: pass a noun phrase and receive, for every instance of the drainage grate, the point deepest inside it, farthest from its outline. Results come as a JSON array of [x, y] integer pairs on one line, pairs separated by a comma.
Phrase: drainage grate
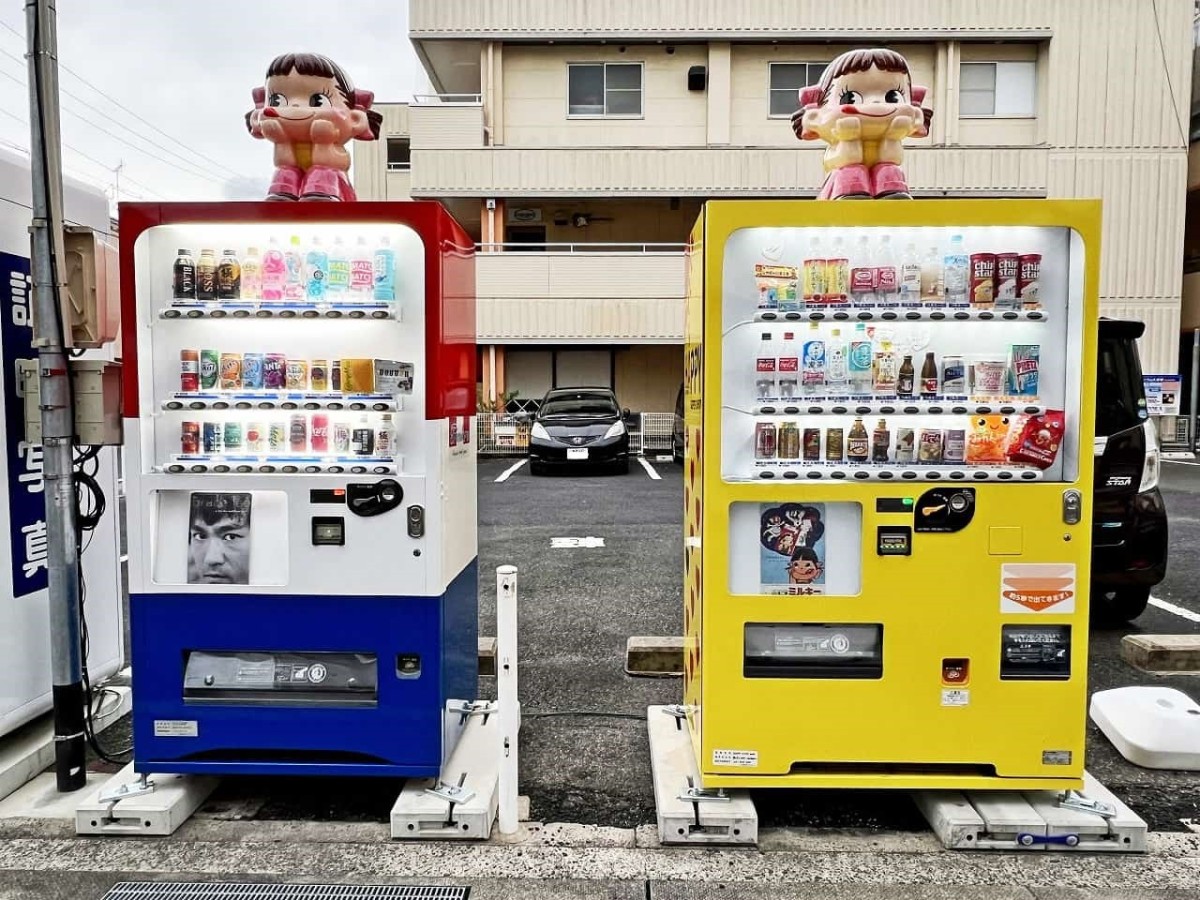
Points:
[[173, 890]]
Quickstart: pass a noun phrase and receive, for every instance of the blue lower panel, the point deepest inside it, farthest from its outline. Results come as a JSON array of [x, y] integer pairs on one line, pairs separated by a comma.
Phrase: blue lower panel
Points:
[[400, 734]]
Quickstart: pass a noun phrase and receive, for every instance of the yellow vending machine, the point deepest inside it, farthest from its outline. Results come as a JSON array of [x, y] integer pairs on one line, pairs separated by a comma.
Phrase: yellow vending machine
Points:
[[888, 483]]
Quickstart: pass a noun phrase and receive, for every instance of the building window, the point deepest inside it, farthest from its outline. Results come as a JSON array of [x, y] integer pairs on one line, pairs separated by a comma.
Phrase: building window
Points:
[[399, 155], [604, 89], [786, 81], [997, 89]]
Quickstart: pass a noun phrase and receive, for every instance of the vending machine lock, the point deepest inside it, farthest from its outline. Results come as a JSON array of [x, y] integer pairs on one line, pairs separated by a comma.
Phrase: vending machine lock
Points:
[[1072, 507], [374, 499], [416, 521]]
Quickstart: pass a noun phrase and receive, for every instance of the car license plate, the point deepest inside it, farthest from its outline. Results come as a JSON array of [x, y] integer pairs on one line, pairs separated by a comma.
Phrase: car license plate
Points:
[[577, 453]]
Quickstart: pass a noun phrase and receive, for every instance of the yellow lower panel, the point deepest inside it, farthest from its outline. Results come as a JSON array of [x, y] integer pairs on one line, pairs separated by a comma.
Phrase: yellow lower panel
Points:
[[892, 782]]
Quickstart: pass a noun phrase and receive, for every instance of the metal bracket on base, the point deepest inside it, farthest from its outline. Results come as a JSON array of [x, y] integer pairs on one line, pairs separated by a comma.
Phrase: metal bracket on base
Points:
[[676, 711], [452, 794], [703, 795], [1076, 800], [138, 788]]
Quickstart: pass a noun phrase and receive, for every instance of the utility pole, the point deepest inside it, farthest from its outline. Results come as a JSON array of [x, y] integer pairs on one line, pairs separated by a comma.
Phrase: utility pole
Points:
[[58, 419]]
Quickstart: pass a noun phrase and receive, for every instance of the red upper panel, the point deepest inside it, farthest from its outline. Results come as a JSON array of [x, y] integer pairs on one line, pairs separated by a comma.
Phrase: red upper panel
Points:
[[449, 282]]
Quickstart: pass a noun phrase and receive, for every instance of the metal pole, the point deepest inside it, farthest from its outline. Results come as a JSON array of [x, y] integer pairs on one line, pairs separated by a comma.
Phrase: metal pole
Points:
[[506, 695], [57, 413], [1194, 392]]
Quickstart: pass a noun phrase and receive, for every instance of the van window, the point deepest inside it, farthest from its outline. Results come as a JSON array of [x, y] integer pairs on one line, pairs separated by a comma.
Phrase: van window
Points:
[[1120, 396]]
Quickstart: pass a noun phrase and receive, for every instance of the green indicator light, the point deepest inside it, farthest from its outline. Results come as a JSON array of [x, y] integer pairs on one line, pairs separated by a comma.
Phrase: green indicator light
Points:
[[908, 501]]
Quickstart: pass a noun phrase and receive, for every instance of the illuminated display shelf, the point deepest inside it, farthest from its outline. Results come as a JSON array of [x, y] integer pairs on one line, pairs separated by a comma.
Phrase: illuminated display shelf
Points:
[[283, 464], [897, 407], [249, 309], [901, 314], [242, 400], [794, 470]]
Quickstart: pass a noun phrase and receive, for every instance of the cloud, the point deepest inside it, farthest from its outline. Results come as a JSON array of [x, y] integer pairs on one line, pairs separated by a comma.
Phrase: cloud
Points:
[[246, 187]]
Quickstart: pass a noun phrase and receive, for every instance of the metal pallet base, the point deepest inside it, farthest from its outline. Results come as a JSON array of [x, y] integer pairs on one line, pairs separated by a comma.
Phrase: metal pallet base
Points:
[[1030, 820], [158, 813], [461, 803], [728, 819]]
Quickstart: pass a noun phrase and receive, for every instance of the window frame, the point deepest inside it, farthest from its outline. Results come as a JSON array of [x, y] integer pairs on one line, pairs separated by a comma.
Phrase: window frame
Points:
[[604, 64], [995, 64], [788, 62], [402, 166]]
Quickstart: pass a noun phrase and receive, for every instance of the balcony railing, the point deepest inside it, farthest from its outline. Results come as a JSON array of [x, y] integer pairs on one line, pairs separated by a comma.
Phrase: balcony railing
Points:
[[443, 121], [447, 99]]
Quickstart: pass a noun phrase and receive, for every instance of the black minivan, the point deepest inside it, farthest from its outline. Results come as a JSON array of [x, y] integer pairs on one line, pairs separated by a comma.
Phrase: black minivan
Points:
[[1129, 521]]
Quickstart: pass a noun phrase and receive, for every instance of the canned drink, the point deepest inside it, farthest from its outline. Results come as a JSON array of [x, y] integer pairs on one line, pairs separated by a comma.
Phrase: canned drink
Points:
[[905, 439], [812, 444], [277, 437], [214, 437], [274, 371], [983, 280], [788, 440], [341, 437], [764, 440], [320, 433], [954, 445], [231, 371], [210, 369], [318, 373], [189, 441], [256, 437], [233, 437], [833, 444], [1029, 278], [1007, 266], [297, 375], [930, 448], [189, 370], [335, 376], [252, 371], [298, 433], [954, 376]]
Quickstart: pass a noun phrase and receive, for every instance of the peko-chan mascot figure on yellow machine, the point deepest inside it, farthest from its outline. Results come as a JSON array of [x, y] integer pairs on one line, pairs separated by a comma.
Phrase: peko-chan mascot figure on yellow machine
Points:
[[863, 107], [309, 109]]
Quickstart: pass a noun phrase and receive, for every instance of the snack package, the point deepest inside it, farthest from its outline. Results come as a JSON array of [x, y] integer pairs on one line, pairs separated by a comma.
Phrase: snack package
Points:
[[1023, 370], [776, 287], [1039, 439], [986, 439]]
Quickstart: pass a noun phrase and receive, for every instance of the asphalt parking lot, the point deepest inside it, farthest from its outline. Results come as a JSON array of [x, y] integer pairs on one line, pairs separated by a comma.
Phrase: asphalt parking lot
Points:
[[600, 559]]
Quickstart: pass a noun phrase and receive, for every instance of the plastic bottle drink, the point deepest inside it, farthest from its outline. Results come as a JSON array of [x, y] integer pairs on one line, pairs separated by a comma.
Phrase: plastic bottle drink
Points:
[[812, 276], [274, 272], [362, 271], [813, 362], [293, 290], [837, 373], [956, 272], [764, 368], [910, 276], [887, 277], [251, 275], [886, 369], [385, 436], [316, 271], [787, 368], [385, 271], [881, 442], [837, 274], [860, 360], [863, 273], [858, 442], [933, 287], [338, 284]]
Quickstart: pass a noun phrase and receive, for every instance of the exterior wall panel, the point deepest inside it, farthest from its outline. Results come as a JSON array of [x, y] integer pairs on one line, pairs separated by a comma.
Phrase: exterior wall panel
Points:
[[437, 125]]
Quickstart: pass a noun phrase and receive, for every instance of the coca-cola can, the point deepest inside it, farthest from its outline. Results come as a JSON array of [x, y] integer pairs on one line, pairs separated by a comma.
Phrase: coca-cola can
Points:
[[319, 437], [189, 441], [764, 440]]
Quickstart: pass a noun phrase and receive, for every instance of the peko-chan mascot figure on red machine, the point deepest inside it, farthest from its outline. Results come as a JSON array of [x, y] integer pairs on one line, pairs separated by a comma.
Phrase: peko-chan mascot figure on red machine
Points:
[[309, 109], [863, 107]]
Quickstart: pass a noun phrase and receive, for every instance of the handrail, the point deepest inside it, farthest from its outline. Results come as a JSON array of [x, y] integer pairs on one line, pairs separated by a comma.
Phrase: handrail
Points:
[[590, 247], [447, 99]]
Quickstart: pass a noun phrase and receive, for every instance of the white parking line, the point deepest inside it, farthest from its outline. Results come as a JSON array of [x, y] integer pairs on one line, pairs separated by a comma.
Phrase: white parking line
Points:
[[1181, 462], [649, 469], [1177, 610], [503, 476]]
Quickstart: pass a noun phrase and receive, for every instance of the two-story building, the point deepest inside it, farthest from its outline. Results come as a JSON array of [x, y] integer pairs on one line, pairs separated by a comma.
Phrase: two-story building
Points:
[[578, 140]]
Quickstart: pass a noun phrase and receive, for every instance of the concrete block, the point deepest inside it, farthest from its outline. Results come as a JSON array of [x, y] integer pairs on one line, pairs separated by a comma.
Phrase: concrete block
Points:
[[1162, 652], [647, 655], [158, 813], [487, 657]]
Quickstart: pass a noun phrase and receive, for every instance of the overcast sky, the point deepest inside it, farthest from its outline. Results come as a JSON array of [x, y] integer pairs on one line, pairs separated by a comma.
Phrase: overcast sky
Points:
[[188, 68]]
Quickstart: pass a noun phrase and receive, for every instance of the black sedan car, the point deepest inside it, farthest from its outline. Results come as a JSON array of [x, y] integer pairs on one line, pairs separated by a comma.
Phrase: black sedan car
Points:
[[579, 426]]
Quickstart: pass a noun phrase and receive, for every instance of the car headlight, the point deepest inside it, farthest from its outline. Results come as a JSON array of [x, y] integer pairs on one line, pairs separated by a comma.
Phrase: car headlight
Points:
[[1153, 463], [616, 429], [539, 431]]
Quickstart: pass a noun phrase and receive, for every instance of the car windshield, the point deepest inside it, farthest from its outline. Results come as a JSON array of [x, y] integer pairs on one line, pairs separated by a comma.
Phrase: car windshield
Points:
[[1120, 397], [579, 405]]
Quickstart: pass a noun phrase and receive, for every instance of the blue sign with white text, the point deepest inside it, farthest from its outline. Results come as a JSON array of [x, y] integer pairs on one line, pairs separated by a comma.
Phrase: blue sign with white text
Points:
[[26, 506]]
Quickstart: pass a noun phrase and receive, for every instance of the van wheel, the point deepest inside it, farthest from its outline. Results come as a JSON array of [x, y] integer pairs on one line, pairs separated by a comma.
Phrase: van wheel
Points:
[[1119, 604]]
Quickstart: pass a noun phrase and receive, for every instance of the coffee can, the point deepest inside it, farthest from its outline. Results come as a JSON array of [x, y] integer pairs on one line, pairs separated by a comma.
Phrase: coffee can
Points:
[[318, 373], [764, 440], [788, 441], [335, 376], [812, 444], [189, 441], [833, 444]]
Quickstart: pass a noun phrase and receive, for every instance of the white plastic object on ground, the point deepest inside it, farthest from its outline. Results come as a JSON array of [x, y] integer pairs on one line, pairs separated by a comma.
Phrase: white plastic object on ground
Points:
[[1153, 727]]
